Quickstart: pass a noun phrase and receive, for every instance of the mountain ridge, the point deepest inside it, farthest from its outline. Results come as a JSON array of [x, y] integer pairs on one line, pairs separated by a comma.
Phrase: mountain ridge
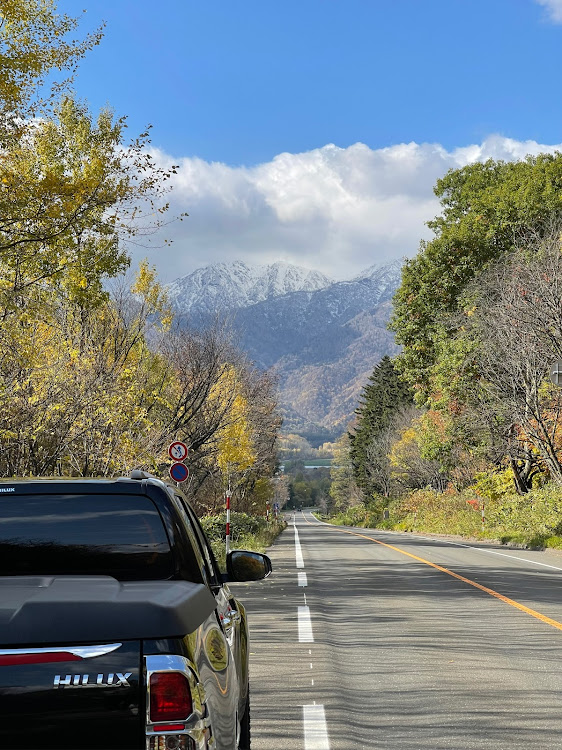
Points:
[[226, 286], [323, 342]]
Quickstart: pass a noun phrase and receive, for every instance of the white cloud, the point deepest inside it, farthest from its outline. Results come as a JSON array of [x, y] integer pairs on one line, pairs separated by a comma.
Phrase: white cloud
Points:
[[554, 9], [338, 210]]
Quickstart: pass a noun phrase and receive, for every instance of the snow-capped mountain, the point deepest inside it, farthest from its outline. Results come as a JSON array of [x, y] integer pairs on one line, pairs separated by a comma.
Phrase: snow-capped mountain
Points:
[[323, 344], [228, 286], [385, 273], [322, 337]]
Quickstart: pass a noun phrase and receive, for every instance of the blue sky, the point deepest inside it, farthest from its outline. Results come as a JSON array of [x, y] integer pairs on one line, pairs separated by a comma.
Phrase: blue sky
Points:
[[229, 87]]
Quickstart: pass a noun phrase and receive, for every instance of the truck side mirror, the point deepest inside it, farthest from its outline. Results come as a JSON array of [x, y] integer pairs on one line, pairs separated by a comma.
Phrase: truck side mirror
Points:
[[243, 565]]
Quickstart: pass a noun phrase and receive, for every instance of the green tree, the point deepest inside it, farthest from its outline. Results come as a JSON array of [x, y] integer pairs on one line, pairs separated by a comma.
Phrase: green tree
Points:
[[487, 210], [343, 489], [380, 401], [72, 188]]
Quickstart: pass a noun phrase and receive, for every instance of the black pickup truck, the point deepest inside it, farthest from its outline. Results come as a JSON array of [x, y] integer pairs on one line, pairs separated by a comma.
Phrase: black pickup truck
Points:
[[117, 629]]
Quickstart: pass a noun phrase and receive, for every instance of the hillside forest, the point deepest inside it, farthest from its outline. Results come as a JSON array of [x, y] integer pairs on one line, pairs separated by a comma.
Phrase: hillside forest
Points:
[[95, 378], [466, 421]]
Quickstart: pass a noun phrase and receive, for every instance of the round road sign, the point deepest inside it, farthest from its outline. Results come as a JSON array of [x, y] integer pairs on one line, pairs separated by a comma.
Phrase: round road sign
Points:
[[179, 472], [177, 451]]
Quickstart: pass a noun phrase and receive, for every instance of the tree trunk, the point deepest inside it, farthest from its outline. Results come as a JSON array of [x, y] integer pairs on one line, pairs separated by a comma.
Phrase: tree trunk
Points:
[[520, 484]]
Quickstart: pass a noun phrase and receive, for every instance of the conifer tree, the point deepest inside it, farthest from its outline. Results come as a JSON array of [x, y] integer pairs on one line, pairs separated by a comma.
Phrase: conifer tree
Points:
[[383, 395]]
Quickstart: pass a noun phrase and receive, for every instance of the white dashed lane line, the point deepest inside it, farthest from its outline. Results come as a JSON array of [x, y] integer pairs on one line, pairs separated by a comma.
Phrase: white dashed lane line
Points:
[[305, 626], [314, 718], [315, 729], [298, 550]]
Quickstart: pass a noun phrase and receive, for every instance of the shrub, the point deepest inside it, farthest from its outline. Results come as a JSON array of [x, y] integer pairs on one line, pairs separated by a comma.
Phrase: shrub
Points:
[[246, 532], [241, 524]]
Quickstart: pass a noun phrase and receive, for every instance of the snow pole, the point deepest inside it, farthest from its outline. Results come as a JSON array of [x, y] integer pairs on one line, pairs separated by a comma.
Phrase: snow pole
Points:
[[228, 521]]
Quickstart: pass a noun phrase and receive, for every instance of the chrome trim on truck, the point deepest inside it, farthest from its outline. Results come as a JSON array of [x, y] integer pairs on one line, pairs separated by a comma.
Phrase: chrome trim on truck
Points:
[[84, 652], [198, 722]]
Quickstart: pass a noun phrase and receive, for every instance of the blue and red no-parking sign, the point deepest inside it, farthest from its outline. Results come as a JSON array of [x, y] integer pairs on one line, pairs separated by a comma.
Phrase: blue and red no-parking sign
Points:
[[179, 472]]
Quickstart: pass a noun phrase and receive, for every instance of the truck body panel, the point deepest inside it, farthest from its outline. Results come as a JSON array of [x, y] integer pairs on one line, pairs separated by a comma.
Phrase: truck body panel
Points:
[[96, 702], [105, 587]]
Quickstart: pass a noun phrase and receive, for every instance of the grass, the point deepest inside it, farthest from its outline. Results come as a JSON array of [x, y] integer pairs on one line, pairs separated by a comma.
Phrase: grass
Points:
[[533, 520]]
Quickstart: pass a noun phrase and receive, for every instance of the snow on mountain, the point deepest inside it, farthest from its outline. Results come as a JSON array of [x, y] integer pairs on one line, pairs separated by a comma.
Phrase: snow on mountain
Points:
[[322, 337], [388, 273], [228, 286]]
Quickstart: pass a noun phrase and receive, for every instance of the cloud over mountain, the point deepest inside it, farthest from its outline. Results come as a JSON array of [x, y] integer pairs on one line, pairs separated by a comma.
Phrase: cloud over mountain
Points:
[[334, 209]]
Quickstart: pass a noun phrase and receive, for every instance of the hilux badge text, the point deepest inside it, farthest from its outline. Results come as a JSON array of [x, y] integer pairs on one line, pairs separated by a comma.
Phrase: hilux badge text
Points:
[[116, 679]]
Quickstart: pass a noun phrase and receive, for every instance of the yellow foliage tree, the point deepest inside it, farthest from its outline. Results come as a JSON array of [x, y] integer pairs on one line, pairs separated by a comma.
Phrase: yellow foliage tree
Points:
[[34, 42], [79, 390], [235, 450]]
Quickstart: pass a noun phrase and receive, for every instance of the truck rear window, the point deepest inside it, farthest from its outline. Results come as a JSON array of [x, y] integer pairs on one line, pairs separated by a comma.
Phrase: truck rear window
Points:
[[118, 535]]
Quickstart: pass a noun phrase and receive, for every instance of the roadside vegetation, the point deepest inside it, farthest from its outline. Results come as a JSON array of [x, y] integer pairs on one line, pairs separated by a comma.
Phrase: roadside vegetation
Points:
[[534, 521], [250, 532], [467, 414], [96, 377]]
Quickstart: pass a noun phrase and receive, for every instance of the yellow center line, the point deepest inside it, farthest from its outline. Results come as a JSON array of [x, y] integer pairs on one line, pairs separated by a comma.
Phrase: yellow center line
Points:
[[491, 592]]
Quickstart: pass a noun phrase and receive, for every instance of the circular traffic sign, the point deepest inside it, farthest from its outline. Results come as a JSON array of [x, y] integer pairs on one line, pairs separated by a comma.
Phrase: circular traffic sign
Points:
[[177, 451], [179, 472]]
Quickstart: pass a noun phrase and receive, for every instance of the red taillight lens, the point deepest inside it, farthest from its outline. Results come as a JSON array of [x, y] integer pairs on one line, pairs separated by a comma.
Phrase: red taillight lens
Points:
[[170, 697]]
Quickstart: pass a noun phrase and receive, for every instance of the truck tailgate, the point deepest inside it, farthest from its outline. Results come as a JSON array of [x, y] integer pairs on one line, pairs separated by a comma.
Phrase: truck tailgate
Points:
[[72, 697]]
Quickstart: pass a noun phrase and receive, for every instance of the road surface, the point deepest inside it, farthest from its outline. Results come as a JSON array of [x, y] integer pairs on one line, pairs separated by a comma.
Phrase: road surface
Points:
[[370, 639]]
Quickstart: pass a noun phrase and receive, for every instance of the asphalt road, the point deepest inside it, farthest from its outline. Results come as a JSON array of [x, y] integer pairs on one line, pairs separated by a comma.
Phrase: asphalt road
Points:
[[381, 649]]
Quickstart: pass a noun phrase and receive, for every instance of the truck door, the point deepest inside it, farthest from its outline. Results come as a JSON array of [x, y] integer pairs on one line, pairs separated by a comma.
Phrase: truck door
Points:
[[218, 669]]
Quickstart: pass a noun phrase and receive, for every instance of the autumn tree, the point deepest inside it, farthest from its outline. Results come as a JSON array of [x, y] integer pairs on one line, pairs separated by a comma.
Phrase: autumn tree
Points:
[[225, 410], [34, 43], [410, 468], [78, 382], [78, 388], [72, 189], [517, 321]]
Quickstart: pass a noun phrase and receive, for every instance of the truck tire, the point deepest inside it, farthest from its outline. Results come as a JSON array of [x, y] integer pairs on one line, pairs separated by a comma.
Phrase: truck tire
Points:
[[244, 743]]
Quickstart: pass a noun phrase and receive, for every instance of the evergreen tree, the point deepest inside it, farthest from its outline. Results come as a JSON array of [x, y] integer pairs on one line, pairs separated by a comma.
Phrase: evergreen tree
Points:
[[378, 403]]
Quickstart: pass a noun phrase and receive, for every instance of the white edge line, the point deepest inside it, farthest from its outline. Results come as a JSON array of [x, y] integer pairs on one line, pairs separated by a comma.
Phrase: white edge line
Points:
[[476, 549], [445, 541]]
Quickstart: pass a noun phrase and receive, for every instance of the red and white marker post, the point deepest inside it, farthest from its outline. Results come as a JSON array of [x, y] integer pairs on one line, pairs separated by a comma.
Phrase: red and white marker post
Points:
[[228, 521]]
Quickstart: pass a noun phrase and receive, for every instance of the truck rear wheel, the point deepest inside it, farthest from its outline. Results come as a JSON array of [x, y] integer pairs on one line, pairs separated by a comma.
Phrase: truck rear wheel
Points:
[[244, 743]]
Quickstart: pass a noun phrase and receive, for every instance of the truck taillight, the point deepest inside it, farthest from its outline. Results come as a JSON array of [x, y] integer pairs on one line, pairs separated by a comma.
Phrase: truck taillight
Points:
[[170, 697]]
